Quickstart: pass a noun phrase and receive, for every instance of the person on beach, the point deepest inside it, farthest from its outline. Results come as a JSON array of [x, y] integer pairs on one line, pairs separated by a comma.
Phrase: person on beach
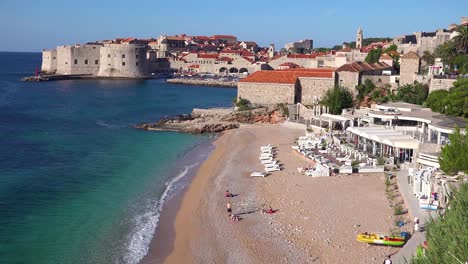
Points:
[[416, 227], [228, 194], [228, 206], [387, 260]]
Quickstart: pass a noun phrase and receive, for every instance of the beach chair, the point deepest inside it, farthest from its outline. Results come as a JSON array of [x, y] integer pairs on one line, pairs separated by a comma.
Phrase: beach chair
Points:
[[343, 159], [266, 156], [258, 174], [264, 162], [272, 169], [271, 165]]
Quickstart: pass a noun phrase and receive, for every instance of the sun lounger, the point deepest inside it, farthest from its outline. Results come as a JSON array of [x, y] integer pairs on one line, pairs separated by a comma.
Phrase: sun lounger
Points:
[[271, 166], [272, 169], [258, 174], [343, 159], [268, 162]]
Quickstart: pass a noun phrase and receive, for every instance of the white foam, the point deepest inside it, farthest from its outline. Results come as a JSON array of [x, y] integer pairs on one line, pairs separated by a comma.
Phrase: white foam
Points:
[[146, 223], [108, 125]]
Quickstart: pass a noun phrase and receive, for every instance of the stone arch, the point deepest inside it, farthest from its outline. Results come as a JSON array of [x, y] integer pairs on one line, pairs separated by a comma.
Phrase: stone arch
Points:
[[243, 70], [223, 70], [233, 70]]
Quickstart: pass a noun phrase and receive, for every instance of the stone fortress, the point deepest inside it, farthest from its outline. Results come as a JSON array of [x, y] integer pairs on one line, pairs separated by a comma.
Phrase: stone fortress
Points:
[[225, 55]]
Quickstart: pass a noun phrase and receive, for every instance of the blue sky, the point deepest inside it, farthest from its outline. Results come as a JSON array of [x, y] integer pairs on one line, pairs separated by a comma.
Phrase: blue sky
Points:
[[33, 25]]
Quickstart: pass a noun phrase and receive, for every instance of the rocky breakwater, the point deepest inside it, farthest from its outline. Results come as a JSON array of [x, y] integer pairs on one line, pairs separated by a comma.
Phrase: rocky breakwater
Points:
[[217, 120], [203, 82]]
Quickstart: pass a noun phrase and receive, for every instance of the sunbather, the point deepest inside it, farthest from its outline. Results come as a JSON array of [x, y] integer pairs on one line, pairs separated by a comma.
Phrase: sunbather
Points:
[[228, 194]]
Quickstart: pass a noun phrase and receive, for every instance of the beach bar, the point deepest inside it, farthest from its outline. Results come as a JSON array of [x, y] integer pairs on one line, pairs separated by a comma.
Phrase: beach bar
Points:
[[383, 142]]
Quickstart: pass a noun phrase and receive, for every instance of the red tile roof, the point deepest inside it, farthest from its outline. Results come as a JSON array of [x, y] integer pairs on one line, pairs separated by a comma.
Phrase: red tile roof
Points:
[[410, 55], [223, 37], [283, 77], [248, 59], [194, 66], [207, 56], [302, 56], [224, 59], [360, 66]]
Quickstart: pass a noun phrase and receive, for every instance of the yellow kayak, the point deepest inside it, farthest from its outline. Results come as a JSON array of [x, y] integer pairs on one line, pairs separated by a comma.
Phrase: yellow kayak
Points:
[[377, 239]]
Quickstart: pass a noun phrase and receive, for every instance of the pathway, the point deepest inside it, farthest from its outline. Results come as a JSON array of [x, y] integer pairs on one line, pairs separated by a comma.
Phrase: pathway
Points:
[[409, 249]]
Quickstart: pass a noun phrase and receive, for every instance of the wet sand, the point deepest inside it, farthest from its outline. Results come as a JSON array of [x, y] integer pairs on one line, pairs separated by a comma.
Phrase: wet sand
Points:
[[317, 219]]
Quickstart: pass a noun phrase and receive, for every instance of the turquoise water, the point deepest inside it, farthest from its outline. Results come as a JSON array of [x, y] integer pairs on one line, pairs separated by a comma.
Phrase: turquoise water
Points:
[[78, 184]]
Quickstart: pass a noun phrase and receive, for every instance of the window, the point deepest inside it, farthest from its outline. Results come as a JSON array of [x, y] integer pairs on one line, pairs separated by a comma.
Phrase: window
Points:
[[123, 56], [108, 55], [53, 58], [137, 56], [137, 63], [76, 61], [96, 62], [85, 61], [123, 63]]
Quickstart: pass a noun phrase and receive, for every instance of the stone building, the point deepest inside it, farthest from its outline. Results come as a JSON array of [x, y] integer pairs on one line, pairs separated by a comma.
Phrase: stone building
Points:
[[123, 58], [286, 86], [49, 61], [77, 59], [305, 45], [302, 60], [410, 64], [419, 42], [352, 74]]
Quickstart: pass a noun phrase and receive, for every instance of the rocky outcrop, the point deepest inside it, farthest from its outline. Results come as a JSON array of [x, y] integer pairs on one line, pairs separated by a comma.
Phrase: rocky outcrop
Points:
[[216, 120]]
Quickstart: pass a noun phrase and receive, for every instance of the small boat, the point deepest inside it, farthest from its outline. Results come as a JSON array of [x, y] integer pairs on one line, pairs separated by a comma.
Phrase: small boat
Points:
[[377, 239]]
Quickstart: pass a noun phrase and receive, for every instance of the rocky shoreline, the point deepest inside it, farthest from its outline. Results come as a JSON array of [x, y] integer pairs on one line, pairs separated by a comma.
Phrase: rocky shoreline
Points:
[[199, 82], [217, 120]]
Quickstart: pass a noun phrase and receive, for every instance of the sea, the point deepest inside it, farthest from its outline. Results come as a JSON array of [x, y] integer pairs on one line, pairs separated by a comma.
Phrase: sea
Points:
[[78, 183]]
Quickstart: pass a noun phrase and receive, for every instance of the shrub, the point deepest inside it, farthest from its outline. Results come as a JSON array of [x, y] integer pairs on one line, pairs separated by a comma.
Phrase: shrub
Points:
[[398, 210], [337, 99], [243, 104], [446, 236]]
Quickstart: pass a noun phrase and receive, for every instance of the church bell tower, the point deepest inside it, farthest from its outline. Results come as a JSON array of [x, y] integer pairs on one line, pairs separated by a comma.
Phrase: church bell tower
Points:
[[359, 38]]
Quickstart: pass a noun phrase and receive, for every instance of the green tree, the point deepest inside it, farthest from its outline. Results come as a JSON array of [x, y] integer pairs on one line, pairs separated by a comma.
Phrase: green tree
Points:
[[412, 93], [322, 49], [392, 47], [460, 41], [457, 99], [364, 89], [337, 99], [373, 56], [436, 100], [428, 57], [447, 52], [454, 156], [446, 236]]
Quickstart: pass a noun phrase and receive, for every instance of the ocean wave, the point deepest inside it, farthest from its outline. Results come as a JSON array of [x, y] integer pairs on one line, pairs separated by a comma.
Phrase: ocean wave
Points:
[[108, 125], [146, 223]]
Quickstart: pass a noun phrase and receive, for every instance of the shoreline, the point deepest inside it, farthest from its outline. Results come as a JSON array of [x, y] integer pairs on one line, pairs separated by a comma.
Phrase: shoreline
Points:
[[304, 230], [157, 251]]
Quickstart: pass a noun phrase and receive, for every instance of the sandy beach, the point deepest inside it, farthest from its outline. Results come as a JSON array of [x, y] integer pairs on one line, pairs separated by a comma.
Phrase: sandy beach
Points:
[[317, 219]]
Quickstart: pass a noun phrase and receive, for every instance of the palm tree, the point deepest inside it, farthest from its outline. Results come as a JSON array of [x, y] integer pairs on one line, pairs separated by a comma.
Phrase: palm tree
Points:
[[460, 41], [428, 57]]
